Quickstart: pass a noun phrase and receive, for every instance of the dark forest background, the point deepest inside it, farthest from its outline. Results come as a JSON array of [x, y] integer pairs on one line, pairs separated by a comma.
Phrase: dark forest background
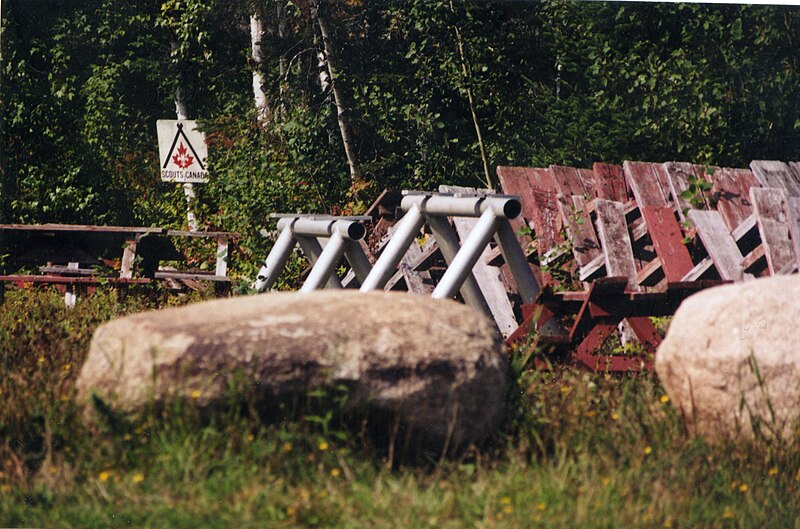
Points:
[[427, 92]]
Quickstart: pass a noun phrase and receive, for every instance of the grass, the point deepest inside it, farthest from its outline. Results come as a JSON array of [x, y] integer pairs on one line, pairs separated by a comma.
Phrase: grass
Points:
[[577, 450]]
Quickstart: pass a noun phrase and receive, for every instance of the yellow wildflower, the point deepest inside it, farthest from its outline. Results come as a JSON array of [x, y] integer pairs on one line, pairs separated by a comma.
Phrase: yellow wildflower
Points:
[[66, 367], [508, 509], [727, 514], [195, 394], [743, 487], [606, 482], [648, 450], [323, 445], [104, 475], [541, 506], [335, 472], [138, 477], [290, 511], [40, 361], [614, 416], [287, 447], [667, 523], [591, 413], [664, 399], [773, 471], [250, 438], [564, 389], [505, 500]]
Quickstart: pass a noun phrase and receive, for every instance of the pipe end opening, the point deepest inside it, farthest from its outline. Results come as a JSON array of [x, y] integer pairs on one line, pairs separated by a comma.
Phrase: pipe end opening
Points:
[[512, 208]]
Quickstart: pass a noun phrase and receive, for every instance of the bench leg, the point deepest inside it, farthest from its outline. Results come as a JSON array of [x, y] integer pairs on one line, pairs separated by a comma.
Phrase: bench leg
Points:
[[70, 296]]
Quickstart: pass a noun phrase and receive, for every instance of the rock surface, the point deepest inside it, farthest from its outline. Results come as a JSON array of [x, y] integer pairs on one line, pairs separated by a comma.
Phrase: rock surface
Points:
[[437, 366], [731, 359]]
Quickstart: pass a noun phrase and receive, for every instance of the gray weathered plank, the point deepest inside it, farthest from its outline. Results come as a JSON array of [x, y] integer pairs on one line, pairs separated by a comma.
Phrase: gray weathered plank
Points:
[[612, 230], [776, 174], [680, 175], [585, 246], [793, 214], [719, 243], [770, 207]]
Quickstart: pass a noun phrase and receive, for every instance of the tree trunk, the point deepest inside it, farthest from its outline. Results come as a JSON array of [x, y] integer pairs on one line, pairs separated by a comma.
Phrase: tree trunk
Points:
[[339, 98], [182, 112], [256, 35]]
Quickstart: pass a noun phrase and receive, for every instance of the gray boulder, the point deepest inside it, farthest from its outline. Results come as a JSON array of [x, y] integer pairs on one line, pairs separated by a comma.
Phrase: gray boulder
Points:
[[731, 359], [435, 367]]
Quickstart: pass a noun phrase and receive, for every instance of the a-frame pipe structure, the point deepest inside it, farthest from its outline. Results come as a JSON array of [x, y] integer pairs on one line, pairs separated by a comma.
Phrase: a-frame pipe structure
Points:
[[342, 235]]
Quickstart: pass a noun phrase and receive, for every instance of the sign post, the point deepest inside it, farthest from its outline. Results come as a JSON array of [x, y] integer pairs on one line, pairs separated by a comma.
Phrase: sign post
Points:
[[182, 154]]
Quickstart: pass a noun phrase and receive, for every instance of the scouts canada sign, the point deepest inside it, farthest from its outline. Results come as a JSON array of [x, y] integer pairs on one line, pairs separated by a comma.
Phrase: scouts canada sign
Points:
[[182, 151]]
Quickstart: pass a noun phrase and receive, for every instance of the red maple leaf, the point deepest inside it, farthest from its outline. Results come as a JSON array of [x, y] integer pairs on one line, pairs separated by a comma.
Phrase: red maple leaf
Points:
[[183, 159]]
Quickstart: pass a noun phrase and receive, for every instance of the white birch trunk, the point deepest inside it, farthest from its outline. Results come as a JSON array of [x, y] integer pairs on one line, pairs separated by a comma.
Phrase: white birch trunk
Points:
[[256, 35], [182, 112], [328, 57]]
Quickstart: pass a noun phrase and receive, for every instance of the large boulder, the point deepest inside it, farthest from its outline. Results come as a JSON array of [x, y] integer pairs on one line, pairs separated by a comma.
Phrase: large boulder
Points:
[[435, 367], [731, 359]]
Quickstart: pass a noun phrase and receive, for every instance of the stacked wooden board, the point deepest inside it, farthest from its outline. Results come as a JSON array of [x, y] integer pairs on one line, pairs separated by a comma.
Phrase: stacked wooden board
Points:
[[624, 243]]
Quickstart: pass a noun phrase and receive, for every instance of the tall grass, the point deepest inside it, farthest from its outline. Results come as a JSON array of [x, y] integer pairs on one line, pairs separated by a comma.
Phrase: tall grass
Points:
[[577, 450]]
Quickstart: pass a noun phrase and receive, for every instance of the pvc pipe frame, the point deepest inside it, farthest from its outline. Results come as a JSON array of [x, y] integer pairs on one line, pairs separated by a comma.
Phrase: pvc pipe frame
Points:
[[344, 236]]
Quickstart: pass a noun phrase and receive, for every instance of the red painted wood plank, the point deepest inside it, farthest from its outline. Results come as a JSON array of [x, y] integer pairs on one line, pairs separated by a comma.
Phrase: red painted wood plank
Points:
[[609, 182], [641, 177], [732, 189], [666, 234], [515, 181], [567, 180]]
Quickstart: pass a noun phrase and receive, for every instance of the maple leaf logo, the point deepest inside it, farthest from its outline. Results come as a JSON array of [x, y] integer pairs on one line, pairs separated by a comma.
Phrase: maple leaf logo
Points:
[[183, 159]]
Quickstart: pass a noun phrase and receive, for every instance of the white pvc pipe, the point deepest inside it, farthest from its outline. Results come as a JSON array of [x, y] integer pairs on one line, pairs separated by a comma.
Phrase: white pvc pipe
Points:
[[324, 227], [358, 260], [323, 269], [466, 258], [312, 249], [449, 245], [508, 207], [405, 232], [275, 261]]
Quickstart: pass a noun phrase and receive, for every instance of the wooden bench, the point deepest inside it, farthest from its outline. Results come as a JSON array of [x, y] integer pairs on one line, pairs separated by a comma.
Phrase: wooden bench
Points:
[[80, 257]]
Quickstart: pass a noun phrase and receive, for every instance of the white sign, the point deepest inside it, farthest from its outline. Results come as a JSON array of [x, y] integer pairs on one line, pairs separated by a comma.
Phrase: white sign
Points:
[[182, 151]]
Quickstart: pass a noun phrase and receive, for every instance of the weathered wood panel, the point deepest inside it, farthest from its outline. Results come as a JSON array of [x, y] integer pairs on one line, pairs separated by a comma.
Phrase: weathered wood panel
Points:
[[732, 189], [515, 181], [609, 182], [680, 175], [644, 183], [793, 214], [587, 178], [612, 230], [770, 208], [567, 180], [666, 235], [778, 175], [719, 243], [585, 246]]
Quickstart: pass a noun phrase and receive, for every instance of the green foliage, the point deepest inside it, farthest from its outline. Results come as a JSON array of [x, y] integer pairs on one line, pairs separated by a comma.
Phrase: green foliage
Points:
[[550, 82]]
